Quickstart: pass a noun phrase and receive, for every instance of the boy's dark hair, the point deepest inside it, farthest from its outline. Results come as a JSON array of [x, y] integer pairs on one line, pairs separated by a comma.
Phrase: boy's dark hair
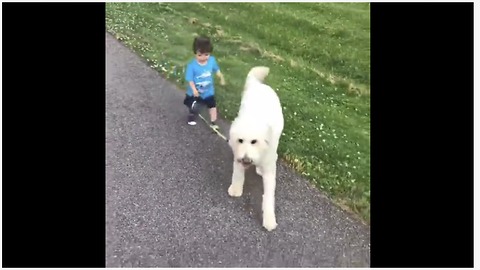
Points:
[[202, 44]]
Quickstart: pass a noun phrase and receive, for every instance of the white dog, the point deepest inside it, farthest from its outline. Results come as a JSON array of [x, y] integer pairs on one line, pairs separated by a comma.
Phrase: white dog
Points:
[[254, 138]]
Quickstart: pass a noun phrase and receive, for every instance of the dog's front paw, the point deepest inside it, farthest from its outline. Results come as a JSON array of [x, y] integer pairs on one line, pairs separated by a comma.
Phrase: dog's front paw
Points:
[[235, 191], [269, 222]]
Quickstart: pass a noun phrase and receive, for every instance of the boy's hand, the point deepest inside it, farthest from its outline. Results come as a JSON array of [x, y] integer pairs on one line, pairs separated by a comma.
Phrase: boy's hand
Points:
[[222, 79], [194, 89]]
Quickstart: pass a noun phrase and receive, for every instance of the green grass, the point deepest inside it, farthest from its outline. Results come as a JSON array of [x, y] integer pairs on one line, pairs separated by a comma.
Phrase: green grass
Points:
[[319, 56]]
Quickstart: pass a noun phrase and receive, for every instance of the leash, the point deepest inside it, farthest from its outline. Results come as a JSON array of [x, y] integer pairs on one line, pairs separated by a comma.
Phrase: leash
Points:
[[206, 122], [215, 130]]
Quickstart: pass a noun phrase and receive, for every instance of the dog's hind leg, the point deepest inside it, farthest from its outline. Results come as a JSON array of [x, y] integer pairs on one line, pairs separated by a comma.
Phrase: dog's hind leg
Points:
[[268, 203], [238, 178]]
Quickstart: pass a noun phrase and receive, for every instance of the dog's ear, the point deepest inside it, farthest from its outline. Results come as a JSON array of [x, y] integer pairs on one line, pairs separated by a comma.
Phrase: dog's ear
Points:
[[269, 134]]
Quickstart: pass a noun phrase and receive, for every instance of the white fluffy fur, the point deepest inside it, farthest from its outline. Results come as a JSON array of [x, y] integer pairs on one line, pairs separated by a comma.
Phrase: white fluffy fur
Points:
[[254, 137]]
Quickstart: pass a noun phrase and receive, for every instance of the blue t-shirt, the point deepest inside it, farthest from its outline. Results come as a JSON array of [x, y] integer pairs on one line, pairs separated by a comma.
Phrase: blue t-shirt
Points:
[[202, 76]]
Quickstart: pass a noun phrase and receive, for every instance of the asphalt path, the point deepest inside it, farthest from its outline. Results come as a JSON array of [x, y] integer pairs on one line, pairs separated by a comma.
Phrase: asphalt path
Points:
[[167, 201]]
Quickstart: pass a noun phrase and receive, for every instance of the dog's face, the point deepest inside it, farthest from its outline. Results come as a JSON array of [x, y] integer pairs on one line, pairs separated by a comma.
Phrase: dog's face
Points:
[[248, 141]]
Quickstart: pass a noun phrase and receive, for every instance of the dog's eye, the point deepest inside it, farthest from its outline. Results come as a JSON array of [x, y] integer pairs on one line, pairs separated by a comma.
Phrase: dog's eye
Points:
[[254, 141], [240, 140]]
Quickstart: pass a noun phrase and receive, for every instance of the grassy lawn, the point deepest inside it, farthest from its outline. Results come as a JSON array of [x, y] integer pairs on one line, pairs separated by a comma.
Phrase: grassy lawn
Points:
[[319, 56]]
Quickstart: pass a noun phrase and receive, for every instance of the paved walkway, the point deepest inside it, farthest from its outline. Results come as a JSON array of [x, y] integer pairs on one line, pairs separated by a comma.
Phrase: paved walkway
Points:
[[167, 201]]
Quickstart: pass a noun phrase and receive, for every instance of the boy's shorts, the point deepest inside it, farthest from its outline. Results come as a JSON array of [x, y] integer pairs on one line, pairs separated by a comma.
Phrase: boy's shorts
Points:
[[209, 101]]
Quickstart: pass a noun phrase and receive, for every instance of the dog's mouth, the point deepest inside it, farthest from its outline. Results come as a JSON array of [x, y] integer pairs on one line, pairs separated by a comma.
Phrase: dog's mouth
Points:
[[245, 164]]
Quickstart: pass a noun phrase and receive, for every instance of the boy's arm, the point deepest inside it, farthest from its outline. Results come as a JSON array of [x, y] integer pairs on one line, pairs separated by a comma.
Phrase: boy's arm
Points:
[[189, 79], [216, 69], [222, 79], [194, 89]]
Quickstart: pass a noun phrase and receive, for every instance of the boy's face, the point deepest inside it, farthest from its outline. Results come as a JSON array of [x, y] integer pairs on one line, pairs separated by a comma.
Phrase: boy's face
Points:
[[202, 57]]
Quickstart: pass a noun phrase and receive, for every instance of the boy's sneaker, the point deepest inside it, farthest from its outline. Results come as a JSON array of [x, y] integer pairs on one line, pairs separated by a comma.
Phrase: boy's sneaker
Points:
[[214, 126], [191, 120]]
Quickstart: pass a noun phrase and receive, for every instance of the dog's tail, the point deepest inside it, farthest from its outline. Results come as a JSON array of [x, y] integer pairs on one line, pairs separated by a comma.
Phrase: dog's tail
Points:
[[258, 73]]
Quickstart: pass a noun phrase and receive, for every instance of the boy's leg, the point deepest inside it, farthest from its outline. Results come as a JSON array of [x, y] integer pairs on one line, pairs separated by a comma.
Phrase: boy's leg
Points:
[[189, 101], [212, 109], [213, 114]]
